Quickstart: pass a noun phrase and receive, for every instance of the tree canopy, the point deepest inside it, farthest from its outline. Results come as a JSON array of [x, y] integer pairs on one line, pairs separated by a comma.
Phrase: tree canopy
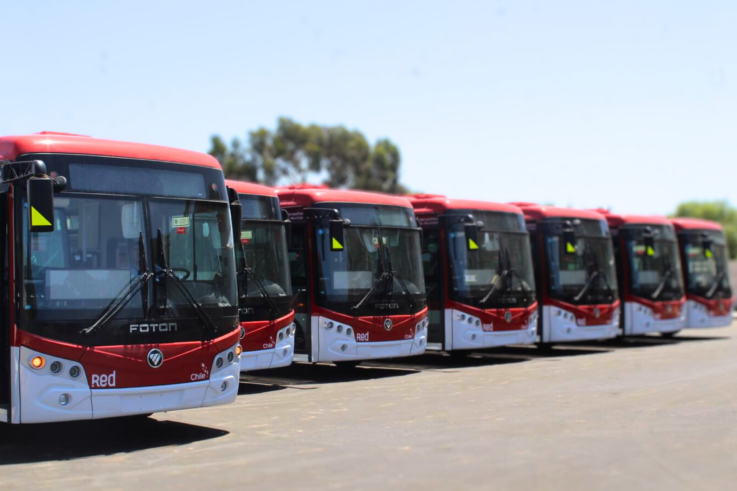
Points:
[[293, 153], [718, 211]]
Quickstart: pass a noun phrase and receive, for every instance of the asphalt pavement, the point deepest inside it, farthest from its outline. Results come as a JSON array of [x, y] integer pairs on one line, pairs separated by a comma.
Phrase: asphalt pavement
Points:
[[646, 413]]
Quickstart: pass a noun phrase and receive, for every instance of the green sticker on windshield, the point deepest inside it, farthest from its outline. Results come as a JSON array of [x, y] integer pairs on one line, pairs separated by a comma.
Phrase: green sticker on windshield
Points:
[[179, 222]]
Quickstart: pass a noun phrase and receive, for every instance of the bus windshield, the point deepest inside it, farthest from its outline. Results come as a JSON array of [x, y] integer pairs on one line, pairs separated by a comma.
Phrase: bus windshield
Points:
[[102, 244], [379, 240], [706, 264], [655, 272], [582, 273], [499, 273], [263, 240]]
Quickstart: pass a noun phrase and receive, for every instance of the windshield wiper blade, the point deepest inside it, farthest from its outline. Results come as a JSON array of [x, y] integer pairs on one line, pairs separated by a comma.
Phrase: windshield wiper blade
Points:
[[494, 286], [395, 274], [125, 296], [714, 286], [208, 324], [662, 283], [594, 274], [382, 277]]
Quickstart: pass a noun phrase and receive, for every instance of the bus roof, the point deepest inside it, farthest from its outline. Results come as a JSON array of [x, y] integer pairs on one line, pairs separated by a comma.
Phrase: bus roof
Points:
[[695, 224], [537, 212], [437, 203], [12, 147], [307, 195], [241, 187], [620, 220]]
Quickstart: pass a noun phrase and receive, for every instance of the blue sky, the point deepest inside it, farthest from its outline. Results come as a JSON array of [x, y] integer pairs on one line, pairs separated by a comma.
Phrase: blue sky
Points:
[[624, 104]]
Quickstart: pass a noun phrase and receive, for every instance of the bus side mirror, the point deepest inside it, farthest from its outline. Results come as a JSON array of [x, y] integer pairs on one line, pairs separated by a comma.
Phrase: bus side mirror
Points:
[[569, 240], [40, 204], [337, 232], [236, 213], [287, 226], [472, 236]]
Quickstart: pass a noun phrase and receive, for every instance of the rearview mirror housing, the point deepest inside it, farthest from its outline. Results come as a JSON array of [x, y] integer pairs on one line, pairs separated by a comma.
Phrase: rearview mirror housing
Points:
[[472, 236], [40, 204]]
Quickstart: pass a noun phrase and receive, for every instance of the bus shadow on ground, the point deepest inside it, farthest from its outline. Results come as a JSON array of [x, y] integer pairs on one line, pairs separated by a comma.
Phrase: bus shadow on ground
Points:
[[650, 341], [27, 444], [299, 374]]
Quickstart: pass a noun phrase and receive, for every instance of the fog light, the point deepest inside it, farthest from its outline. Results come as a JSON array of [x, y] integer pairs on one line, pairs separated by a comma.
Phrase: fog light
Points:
[[64, 399], [38, 362], [224, 386], [238, 350], [74, 371], [473, 337], [339, 328], [219, 362], [422, 342], [231, 356], [343, 347], [56, 367], [285, 352]]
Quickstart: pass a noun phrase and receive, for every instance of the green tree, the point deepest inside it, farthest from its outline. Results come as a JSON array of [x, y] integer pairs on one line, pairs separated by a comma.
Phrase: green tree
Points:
[[718, 211], [293, 153]]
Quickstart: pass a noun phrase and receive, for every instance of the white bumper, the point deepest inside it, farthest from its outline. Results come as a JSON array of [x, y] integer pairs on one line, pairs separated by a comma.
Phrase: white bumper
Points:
[[339, 344], [639, 319], [560, 326], [47, 397], [698, 317], [279, 356], [464, 332]]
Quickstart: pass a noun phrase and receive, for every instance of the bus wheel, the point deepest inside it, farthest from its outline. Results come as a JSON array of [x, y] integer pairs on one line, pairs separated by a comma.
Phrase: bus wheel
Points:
[[670, 335], [347, 365]]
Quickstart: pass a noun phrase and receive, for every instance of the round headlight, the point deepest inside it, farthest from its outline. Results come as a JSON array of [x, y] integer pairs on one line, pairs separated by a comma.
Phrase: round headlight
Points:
[[462, 317], [38, 362], [231, 356], [349, 331], [56, 367], [281, 335], [339, 328], [219, 362], [64, 399], [329, 325], [74, 371]]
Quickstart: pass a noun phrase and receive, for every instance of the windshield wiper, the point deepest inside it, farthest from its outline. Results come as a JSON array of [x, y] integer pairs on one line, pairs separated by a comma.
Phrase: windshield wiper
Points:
[[168, 273], [395, 274], [714, 286], [494, 286], [264, 293], [594, 274], [382, 277], [662, 283], [125, 295]]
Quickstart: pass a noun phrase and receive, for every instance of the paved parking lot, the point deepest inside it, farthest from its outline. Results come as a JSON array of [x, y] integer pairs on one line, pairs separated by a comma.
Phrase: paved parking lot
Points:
[[643, 414]]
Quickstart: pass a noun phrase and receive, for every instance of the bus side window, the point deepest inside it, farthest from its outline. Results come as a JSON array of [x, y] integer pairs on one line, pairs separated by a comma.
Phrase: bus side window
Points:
[[431, 264]]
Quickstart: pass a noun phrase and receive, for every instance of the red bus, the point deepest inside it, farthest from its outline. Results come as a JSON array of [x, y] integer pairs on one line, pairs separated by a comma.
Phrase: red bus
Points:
[[574, 272], [118, 283], [478, 273], [264, 285], [709, 295], [356, 270], [649, 274]]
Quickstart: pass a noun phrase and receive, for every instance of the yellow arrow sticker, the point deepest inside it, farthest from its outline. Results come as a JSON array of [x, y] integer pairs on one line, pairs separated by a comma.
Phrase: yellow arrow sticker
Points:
[[337, 245], [38, 220], [570, 248], [650, 251], [472, 245], [709, 254]]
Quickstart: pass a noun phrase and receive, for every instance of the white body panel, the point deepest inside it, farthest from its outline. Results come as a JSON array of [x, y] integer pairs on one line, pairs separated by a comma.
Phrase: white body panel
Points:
[[463, 332], [639, 319], [337, 346], [281, 355], [42, 393], [697, 316], [559, 326]]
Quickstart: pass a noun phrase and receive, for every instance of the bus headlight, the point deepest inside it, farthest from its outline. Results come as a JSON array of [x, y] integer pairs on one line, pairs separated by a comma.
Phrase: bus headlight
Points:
[[38, 362]]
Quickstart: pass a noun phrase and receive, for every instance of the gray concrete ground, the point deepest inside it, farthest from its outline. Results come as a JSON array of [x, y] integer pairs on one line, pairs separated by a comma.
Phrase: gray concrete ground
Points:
[[648, 413]]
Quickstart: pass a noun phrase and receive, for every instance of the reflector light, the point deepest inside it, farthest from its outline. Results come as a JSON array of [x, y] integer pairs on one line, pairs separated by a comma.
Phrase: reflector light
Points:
[[38, 362]]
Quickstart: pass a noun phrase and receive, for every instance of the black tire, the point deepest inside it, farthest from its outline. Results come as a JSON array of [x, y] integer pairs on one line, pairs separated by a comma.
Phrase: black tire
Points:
[[458, 353]]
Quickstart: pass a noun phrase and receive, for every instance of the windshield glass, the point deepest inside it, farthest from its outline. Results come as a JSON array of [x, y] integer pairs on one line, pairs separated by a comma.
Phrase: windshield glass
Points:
[[71, 275], [655, 272], [583, 272], [707, 272], [502, 263], [346, 276]]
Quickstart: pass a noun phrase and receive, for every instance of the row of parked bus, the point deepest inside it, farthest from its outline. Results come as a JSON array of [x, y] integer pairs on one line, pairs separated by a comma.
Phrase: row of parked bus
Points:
[[135, 279]]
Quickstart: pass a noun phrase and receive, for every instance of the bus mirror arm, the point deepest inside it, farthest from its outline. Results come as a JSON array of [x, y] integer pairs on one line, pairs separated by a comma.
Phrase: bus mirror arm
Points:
[[236, 214]]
